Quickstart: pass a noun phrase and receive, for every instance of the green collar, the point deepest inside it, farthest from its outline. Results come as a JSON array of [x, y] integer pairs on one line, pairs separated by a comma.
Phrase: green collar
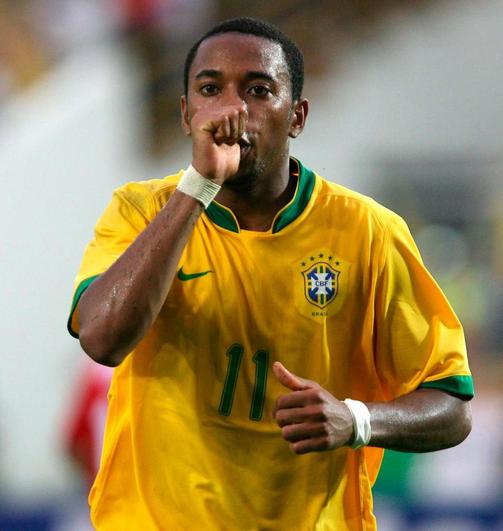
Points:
[[223, 216]]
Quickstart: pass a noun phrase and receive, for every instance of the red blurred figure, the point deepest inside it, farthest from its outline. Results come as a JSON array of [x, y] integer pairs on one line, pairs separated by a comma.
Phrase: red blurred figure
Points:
[[86, 420], [139, 13]]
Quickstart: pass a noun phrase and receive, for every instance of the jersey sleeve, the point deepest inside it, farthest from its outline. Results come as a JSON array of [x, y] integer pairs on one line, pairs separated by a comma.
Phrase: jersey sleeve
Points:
[[419, 339], [124, 218]]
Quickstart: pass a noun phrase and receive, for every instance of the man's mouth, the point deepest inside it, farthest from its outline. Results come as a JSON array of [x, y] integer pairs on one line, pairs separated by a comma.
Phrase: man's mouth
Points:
[[244, 146]]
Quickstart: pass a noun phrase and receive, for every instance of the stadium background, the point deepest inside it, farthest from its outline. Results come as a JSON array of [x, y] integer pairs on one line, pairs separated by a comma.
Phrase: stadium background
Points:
[[406, 105]]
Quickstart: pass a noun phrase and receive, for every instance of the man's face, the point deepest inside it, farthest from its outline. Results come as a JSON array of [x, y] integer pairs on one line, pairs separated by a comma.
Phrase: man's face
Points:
[[233, 68]]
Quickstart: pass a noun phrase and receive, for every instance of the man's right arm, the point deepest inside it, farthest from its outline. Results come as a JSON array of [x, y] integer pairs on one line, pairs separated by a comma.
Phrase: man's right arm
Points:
[[120, 306]]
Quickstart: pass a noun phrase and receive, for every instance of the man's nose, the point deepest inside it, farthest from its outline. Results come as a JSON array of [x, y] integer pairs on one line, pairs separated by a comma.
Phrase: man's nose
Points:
[[235, 98]]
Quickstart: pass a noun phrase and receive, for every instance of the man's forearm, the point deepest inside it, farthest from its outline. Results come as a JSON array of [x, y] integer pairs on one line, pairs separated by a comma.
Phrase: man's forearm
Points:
[[422, 421], [119, 307]]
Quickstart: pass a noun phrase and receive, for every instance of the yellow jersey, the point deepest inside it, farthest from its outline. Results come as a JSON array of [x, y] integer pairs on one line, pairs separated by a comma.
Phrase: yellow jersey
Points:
[[335, 290]]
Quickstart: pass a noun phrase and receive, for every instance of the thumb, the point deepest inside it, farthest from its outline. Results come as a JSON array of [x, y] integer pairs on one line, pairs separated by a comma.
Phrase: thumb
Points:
[[288, 379]]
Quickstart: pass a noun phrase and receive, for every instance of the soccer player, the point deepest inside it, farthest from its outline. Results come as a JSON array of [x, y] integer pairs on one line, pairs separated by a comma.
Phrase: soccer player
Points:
[[272, 332]]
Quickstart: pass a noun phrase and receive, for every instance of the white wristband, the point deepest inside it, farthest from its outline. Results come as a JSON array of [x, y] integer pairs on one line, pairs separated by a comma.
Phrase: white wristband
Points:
[[361, 422], [194, 184]]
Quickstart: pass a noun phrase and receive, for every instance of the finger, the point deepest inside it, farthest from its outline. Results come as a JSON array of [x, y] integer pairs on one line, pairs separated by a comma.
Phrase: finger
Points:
[[226, 127], [287, 378], [306, 430], [222, 130], [317, 444], [299, 415], [306, 397], [234, 126], [242, 121], [218, 135]]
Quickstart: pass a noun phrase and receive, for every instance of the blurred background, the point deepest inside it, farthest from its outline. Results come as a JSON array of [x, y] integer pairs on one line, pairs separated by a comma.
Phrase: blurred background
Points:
[[406, 106]]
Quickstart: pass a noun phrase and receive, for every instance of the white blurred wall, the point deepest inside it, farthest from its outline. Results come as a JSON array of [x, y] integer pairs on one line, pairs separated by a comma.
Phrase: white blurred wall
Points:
[[428, 83], [63, 148]]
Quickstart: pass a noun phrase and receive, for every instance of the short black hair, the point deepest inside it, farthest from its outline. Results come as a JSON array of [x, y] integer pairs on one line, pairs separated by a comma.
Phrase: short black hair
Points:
[[252, 26]]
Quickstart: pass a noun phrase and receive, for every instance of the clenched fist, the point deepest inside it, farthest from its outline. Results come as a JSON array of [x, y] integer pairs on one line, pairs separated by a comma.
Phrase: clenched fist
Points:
[[218, 141], [310, 418]]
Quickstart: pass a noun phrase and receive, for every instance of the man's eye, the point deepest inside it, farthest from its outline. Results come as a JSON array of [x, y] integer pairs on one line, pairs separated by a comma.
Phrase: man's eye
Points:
[[259, 90], [208, 90]]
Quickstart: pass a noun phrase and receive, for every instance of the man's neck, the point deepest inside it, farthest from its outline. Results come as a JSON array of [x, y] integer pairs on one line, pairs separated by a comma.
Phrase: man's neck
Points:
[[255, 209]]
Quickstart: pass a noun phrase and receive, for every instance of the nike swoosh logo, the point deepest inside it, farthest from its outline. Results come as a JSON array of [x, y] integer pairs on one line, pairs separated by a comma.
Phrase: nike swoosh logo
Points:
[[190, 276]]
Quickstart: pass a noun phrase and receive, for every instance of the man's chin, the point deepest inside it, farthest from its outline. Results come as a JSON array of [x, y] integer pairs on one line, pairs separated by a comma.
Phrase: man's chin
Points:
[[246, 177], [241, 182]]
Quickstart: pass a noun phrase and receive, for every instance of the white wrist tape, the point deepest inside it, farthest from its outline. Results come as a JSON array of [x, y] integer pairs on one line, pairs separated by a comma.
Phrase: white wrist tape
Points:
[[194, 184], [361, 422]]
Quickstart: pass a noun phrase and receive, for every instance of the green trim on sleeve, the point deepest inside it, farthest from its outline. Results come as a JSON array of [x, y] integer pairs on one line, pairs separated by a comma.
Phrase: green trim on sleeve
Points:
[[461, 386], [78, 293]]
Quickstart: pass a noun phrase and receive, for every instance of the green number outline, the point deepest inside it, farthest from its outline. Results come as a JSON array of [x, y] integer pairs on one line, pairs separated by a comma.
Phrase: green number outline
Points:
[[261, 360], [235, 354]]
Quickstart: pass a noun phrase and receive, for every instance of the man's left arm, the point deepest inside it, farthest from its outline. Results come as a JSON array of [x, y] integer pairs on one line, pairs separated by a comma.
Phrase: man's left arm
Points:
[[311, 419], [424, 420]]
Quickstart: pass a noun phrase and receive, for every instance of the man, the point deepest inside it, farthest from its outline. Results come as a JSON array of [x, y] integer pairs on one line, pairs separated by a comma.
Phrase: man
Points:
[[272, 331]]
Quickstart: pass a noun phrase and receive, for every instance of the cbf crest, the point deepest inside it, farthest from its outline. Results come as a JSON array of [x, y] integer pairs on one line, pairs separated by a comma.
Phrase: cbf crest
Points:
[[321, 283]]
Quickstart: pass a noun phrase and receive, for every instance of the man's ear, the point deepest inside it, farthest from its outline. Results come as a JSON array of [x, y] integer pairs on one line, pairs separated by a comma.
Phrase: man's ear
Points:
[[185, 115], [299, 116]]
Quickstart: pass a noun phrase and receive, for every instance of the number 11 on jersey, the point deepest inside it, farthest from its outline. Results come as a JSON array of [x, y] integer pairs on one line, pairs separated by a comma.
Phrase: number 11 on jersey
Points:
[[261, 360]]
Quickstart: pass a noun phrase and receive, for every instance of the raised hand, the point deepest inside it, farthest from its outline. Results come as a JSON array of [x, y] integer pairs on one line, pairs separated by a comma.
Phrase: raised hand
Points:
[[215, 133], [310, 418]]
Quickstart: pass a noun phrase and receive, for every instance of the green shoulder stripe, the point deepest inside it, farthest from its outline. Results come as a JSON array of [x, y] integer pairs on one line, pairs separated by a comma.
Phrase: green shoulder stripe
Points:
[[461, 386], [78, 293]]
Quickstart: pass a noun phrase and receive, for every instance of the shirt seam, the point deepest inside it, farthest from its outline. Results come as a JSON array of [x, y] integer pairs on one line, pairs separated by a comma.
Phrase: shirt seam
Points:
[[134, 205], [440, 378]]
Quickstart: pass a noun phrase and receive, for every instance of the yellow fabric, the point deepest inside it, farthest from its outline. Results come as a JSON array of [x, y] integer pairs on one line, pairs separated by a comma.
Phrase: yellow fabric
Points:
[[171, 460]]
